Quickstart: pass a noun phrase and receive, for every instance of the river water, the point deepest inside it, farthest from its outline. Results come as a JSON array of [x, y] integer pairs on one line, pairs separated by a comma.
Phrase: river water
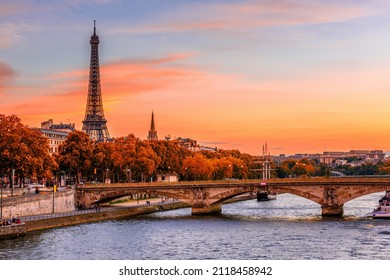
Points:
[[289, 228]]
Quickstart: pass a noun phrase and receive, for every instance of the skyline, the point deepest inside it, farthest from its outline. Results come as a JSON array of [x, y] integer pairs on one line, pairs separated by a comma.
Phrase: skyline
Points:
[[303, 76]]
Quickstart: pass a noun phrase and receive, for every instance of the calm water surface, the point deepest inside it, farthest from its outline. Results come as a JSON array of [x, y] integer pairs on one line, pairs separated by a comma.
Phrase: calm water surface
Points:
[[287, 228]]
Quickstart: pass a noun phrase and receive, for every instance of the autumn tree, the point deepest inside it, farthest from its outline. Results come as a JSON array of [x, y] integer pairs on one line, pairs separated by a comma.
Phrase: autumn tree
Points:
[[75, 155], [23, 149], [240, 169], [231, 162], [384, 167], [102, 160], [124, 157], [322, 170], [197, 167], [303, 168], [222, 168], [146, 160], [170, 154]]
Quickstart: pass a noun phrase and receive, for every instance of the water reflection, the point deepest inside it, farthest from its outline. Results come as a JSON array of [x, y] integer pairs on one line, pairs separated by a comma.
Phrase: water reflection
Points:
[[287, 228]]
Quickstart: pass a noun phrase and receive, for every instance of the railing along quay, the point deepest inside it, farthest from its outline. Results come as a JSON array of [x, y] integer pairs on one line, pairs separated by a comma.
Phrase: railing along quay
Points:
[[89, 211]]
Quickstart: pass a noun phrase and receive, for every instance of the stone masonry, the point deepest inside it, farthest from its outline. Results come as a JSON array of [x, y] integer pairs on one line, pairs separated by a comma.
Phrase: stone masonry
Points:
[[41, 203]]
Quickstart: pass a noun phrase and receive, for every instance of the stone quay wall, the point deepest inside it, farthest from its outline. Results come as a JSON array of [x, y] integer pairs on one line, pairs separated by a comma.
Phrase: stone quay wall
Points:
[[35, 204], [98, 216], [11, 231]]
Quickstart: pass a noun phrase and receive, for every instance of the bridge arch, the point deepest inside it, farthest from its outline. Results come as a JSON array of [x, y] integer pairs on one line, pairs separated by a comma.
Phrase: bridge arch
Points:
[[304, 194], [109, 195], [356, 193], [207, 197]]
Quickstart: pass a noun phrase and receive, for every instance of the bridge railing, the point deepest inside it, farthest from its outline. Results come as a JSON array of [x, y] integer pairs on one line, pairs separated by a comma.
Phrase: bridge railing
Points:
[[244, 181], [184, 183]]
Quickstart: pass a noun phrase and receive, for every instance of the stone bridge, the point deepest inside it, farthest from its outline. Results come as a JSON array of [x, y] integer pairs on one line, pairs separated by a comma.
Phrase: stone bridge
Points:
[[208, 196]]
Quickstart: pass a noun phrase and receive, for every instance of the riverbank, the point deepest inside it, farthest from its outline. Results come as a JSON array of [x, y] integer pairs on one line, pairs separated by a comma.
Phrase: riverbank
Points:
[[98, 216], [13, 230], [122, 212]]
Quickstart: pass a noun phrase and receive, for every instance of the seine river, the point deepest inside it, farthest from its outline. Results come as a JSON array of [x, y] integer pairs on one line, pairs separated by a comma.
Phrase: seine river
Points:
[[289, 228]]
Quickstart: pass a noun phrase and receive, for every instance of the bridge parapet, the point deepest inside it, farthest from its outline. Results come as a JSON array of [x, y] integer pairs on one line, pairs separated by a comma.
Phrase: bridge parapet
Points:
[[208, 196]]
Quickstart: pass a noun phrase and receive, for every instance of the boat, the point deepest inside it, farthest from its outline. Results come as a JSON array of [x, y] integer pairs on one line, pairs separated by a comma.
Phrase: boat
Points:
[[382, 211], [265, 196]]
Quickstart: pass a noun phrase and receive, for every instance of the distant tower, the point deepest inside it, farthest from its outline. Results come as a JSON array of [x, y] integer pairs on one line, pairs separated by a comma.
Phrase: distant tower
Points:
[[152, 136], [94, 123]]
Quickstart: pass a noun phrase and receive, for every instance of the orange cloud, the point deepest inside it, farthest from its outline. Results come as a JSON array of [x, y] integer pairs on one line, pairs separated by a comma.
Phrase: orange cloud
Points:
[[299, 114], [66, 93]]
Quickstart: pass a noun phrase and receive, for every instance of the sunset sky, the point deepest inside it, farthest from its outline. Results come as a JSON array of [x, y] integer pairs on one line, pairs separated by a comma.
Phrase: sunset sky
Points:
[[301, 75]]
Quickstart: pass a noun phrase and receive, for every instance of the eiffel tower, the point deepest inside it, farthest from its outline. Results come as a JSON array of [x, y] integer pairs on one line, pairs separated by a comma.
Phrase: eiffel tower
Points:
[[94, 123]]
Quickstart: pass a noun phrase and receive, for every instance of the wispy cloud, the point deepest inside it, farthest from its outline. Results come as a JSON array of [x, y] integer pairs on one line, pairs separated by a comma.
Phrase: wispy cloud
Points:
[[255, 14], [11, 33], [11, 7], [7, 74]]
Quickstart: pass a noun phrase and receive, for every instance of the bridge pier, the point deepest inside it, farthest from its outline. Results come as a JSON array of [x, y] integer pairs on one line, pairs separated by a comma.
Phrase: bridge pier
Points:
[[332, 210], [207, 209]]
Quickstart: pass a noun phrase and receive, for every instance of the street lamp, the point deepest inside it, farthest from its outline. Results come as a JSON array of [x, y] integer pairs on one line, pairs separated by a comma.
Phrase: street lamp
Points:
[[95, 172], [62, 179], [12, 182], [54, 190], [1, 200]]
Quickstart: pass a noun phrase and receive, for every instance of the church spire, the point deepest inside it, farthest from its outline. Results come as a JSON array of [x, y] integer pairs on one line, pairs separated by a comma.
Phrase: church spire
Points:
[[152, 127], [152, 132]]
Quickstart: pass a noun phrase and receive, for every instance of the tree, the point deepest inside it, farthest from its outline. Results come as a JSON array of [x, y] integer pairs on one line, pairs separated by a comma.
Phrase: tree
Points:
[[75, 155], [23, 149], [171, 155], [222, 168], [146, 160], [197, 167], [240, 169], [283, 171], [124, 156], [102, 160], [384, 167], [322, 170], [303, 168]]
